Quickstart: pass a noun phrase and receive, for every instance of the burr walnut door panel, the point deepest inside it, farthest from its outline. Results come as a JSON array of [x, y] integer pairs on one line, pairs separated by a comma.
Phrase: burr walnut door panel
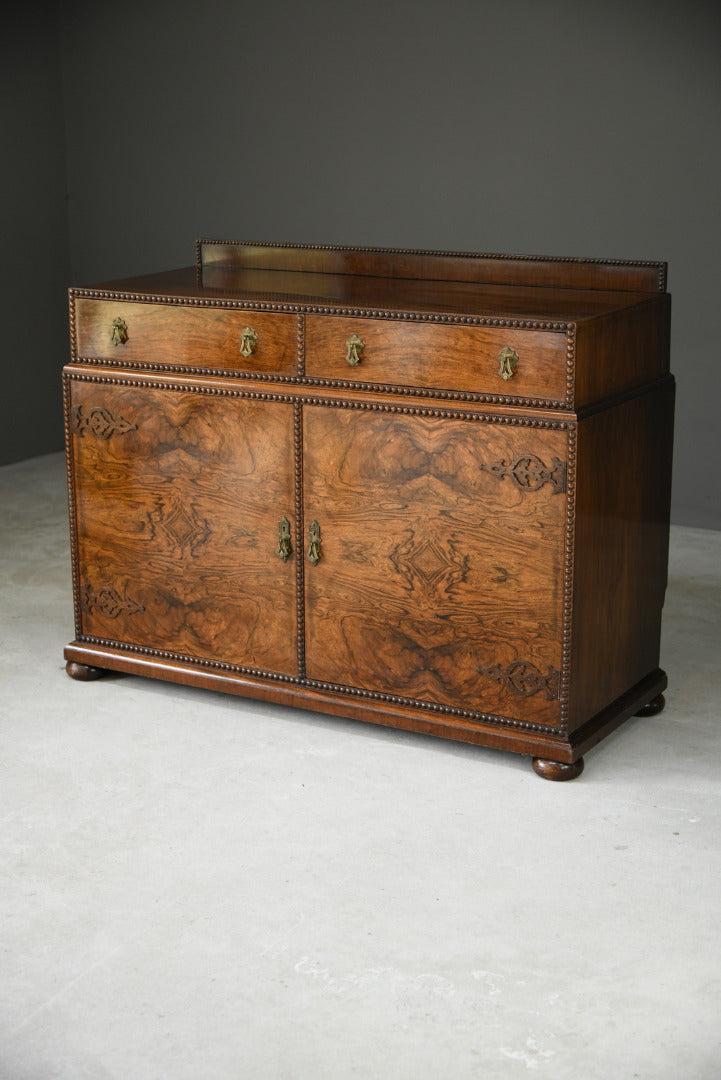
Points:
[[440, 576], [178, 499]]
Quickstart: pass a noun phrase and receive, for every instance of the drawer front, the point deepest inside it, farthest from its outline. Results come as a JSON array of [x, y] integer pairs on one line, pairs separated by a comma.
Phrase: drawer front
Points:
[[197, 337], [440, 356]]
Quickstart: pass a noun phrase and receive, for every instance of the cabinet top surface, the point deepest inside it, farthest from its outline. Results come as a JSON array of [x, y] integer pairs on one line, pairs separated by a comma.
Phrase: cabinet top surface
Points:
[[549, 290]]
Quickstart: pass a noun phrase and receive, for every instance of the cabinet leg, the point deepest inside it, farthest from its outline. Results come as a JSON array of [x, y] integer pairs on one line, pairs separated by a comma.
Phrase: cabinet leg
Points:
[[654, 707], [84, 672], [557, 770]]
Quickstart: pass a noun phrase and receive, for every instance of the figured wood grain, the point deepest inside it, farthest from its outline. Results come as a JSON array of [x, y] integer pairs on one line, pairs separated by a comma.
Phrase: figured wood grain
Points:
[[177, 524], [447, 357], [432, 567], [199, 337]]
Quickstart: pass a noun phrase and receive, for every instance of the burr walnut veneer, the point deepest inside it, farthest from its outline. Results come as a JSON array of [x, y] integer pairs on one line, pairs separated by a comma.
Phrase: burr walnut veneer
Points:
[[429, 490]]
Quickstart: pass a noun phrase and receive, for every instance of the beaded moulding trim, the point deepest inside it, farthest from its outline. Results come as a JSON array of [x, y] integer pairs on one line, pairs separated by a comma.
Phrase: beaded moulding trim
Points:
[[297, 307], [307, 381], [301, 398]]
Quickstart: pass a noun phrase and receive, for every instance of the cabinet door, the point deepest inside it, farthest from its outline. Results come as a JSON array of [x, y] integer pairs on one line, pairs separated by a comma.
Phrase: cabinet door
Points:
[[178, 498], [441, 564]]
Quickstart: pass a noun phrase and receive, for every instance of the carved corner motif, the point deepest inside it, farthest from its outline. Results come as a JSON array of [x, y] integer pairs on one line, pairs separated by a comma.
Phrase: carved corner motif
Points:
[[99, 422], [525, 679], [108, 602], [529, 473]]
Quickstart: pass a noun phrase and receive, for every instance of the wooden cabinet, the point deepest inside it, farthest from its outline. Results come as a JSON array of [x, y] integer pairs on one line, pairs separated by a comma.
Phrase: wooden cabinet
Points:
[[414, 488]]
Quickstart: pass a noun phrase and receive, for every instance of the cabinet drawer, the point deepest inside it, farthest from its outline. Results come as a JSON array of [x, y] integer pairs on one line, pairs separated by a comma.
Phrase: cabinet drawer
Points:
[[166, 334], [437, 355]]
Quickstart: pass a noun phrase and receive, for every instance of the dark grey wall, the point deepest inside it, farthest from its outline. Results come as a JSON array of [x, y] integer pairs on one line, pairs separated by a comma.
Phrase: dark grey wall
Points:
[[34, 265], [558, 127]]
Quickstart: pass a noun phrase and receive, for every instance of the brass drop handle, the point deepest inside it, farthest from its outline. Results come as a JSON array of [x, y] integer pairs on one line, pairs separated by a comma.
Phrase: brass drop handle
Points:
[[314, 543], [248, 341], [508, 362], [119, 333], [354, 346], [284, 548]]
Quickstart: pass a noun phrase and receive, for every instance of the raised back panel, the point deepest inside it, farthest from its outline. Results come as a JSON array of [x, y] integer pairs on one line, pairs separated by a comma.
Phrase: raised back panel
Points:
[[540, 270]]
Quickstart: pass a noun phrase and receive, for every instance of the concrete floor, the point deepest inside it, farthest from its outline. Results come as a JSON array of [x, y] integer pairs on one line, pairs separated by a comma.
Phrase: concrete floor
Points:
[[200, 888]]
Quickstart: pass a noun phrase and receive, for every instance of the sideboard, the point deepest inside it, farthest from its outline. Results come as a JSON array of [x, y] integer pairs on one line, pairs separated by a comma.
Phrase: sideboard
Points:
[[424, 489]]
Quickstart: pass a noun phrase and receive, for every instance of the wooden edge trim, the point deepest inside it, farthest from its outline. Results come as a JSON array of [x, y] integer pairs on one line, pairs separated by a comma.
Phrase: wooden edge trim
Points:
[[610, 718], [72, 508], [298, 394]]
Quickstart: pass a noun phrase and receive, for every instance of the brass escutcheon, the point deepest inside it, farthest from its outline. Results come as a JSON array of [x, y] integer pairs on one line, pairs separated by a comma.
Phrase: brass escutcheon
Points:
[[314, 543], [248, 341], [508, 360], [119, 334], [283, 539], [355, 346]]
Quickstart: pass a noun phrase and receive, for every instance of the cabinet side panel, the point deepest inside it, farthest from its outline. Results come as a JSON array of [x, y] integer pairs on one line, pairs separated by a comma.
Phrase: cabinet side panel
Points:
[[621, 548], [623, 350]]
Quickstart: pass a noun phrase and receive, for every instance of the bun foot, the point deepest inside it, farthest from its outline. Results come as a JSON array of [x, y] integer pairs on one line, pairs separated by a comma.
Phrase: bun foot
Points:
[[654, 707], [557, 770], [83, 672]]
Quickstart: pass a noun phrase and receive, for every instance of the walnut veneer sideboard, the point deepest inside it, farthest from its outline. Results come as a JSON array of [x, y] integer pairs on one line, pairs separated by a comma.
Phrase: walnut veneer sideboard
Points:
[[424, 489]]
